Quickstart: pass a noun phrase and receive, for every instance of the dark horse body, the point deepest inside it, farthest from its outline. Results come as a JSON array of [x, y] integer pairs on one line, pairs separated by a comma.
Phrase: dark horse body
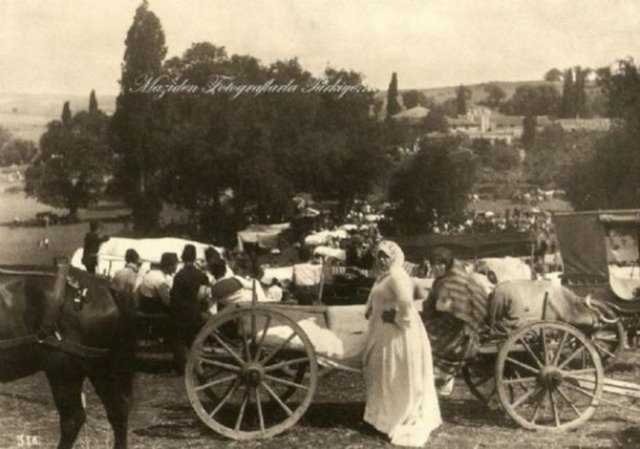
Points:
[[71, 332]]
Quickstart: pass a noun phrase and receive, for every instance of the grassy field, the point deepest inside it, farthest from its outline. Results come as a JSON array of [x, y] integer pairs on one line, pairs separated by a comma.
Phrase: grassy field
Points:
[[163, 419]]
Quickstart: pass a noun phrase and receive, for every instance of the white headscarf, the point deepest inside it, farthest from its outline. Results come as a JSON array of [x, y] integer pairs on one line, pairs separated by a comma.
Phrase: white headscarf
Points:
[[395, 253]]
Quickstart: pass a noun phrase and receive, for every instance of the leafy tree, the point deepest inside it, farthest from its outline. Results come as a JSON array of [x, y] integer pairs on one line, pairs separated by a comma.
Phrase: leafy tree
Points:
[[139, 125], [93, 103], [553, 75], [414, 98], [439, 177], [503, 157], [555, 152], [533, 100], [463, 95], [17, 151], [393, 107], [608, 177], [436, 120], [495, 95], [5, 136], [529, 127], [579, 92], [74, 163]]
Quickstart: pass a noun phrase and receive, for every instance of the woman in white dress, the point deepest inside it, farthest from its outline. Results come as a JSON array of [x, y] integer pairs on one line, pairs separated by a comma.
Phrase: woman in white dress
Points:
[[398, 371]]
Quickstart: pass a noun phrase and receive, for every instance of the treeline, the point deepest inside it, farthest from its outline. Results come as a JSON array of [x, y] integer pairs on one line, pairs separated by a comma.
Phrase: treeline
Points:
[[213, 154]]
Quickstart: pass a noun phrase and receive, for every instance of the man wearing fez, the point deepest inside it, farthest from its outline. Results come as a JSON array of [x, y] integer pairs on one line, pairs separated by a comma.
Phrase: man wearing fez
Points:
[[186, 305]]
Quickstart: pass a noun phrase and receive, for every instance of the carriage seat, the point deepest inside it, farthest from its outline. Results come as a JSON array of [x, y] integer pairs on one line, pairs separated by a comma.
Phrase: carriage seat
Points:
[[626, 289]]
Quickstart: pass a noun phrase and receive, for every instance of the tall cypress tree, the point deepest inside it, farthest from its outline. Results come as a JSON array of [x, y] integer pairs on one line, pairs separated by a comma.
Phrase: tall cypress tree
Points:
[[66, 114], [529, 125], [136, 115], [567, 105], [462, 96], [580, 95], [393, 107], [93, 103]]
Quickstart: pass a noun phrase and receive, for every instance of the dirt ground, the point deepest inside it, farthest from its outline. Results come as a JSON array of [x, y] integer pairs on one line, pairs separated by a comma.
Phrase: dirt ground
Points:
[[163, 419]]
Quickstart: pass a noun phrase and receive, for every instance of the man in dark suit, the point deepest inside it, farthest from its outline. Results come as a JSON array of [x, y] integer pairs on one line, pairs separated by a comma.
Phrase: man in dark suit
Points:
[[92, 242], [187, 302]]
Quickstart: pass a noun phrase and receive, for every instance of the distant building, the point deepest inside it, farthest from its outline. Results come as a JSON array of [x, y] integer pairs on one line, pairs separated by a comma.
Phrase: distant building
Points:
[[584, 124]]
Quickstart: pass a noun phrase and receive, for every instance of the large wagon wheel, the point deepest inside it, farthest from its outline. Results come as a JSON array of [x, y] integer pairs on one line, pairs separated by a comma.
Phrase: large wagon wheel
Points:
[[609, 340], [555, 374], [252, 373]]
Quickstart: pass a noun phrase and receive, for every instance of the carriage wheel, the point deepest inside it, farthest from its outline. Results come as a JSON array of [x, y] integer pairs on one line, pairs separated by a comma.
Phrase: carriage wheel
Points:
[[555, 374], [252, 373], [480, 378], [609, 341]]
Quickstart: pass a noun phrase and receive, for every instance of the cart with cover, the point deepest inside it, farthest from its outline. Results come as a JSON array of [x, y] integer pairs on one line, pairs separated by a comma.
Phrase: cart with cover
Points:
[[600, 256], [253, 370]]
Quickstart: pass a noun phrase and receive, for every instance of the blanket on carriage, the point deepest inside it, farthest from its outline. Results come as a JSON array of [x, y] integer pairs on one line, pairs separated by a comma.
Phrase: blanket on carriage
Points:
[[515, 303], [455, 314]]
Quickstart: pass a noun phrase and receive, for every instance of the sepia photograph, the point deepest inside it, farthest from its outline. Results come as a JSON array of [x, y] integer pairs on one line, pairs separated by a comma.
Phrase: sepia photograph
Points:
[[293, 224]]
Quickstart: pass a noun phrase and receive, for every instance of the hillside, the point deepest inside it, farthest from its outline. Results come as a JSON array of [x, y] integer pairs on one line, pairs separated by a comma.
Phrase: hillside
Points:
[[478, 94]]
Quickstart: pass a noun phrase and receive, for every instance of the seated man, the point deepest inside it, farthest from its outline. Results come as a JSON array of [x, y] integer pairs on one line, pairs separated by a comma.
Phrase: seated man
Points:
[[126, 280], [454, 315], [154, 293]]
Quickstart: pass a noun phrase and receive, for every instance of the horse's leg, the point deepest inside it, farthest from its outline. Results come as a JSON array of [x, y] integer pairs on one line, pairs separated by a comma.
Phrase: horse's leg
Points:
[[66, 391], [114, 391]]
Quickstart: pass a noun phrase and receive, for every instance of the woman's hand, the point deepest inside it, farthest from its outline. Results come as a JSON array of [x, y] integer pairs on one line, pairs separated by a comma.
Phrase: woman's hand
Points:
[[389, 316]]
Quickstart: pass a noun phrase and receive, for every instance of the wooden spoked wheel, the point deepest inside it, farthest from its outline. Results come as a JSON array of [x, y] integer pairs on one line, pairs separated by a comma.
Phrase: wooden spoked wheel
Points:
[[549, 376], [251, 374], [609, 340], [479, 375]]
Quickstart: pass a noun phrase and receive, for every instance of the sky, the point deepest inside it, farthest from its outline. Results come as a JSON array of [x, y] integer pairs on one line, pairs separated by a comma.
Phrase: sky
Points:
[[73, 46]]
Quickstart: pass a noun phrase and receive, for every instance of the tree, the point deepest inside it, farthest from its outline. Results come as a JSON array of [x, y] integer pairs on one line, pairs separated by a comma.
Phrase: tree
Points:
[[393, 107], [74, 163], [568, 104], [139, 124], [463, 95], [17, 151], [579, 92], [414, 98], [495, 95], [436, 120], [607, 177], [66, 114], [440, 176], [93, 103], [533, 100], [5, 136], [529, 127], [553, 75]]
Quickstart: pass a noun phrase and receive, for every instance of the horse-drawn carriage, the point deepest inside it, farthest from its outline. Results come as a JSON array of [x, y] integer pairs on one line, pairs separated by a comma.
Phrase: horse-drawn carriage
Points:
[[600, 253], [253, 370]]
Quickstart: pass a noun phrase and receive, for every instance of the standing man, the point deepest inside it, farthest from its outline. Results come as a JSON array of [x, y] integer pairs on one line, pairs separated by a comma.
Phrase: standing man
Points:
[[186, 305], [92, 242]]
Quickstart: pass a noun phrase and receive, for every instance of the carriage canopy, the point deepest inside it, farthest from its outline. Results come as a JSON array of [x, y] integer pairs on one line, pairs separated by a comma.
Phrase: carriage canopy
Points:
[[592, 241]]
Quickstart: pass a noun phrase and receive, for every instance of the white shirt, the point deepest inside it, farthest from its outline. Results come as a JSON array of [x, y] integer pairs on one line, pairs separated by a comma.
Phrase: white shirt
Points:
[[156, 284]]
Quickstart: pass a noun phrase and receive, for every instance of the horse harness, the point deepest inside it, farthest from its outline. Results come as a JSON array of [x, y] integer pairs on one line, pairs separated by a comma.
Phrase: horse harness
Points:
[[49, 334]]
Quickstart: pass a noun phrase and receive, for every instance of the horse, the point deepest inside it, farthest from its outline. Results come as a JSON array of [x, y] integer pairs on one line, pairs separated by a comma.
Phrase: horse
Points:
[[71, 325]]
